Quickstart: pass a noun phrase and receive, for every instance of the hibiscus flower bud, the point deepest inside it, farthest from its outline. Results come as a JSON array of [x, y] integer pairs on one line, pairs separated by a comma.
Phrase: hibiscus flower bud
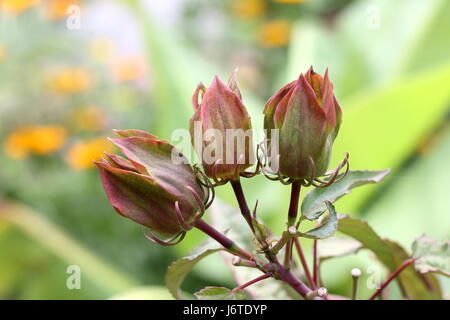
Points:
[[221, 130], [308, 118], [149, 188]]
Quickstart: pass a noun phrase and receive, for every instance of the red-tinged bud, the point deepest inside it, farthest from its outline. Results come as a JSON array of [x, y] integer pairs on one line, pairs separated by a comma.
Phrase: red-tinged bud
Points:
[[308, 117], [221, 130], [148, 187]]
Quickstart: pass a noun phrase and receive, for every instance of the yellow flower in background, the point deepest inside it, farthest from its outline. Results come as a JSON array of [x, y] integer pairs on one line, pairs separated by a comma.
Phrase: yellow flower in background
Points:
[[89, 118], [2, 53], [17, 6], [249, 8], [128, 68], [290, 1], [57, 9], [72, 80], [275, 33], [34, 140], [81, 155]]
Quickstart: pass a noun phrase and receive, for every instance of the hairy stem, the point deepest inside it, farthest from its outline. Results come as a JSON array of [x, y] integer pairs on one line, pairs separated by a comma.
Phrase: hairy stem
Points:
[[245, 211], [391, 277], [226, 242]]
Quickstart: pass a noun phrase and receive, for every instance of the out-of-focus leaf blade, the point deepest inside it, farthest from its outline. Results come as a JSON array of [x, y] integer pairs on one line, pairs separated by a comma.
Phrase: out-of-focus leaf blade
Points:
[[178, 270], [314, 203], [63, 246], [382, 128], [220, 293], [432, 255], [337, 247], [413, 285]]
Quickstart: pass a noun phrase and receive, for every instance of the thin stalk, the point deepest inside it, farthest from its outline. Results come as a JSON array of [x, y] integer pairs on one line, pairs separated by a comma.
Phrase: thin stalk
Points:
[[315, 265], [226, 242], [304, 263], [391, 277], [355, 288], [293, 205], [240, 197], [292, 218], [247, 284]]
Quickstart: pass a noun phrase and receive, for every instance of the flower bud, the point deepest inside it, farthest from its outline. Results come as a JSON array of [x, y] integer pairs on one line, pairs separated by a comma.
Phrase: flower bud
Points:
[[148, 187], [221, 130], [308, 117]]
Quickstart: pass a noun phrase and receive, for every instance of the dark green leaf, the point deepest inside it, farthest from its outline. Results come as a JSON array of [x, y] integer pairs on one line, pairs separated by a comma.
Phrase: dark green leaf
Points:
[[220, 293], [314, 203], [178, 270], [432, 255]]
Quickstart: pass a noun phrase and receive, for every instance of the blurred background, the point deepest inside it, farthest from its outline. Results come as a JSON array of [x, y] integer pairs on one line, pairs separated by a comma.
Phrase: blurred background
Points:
[[71, 71]]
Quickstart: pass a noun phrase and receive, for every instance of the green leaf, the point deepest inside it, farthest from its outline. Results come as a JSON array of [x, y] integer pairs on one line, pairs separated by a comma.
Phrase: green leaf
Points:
[[392, 255], [337, 247], [220, 293], [432, 255], [326, 229], [314, 203], [178, 270]]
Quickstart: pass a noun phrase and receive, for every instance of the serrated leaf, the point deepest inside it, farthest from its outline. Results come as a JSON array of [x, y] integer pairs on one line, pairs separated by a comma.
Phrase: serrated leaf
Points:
[[220, 293], [337, 247], [432, 255], [314, 203], [413, 285], [328, 228], [178, 270]]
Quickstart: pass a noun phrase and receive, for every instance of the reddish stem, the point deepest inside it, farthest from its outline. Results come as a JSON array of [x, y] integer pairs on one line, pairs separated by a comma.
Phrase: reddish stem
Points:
[[292, 217], [226, 242], [247, 284], [240, 197], [391, 277], [315, 265], [304, 263]]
